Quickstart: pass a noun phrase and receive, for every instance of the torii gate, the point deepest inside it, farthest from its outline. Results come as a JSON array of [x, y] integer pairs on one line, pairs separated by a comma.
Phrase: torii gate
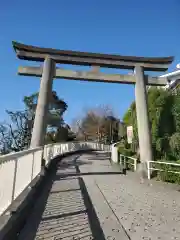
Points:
[[49, 71]]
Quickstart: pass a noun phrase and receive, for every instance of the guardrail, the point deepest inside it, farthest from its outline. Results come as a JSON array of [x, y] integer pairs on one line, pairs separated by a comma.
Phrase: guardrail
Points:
[[124, 160], [53, 150], [17, 170], [150, 169]]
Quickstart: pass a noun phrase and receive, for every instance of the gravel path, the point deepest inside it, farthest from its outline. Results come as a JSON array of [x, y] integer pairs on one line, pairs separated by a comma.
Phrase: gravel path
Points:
[[87, 198]]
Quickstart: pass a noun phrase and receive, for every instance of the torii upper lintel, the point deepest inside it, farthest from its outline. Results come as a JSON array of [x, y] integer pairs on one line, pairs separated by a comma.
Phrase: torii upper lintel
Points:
[[33, 53]]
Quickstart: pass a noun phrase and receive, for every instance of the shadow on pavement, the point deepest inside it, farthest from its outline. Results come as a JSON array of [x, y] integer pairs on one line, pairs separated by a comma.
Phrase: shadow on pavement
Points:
[[88, 173], [77, 163], [96, 229], [64, 211]]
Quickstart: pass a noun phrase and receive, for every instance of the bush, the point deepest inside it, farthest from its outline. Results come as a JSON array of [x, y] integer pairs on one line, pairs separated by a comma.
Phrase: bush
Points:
[[175, 145], [125, 151]]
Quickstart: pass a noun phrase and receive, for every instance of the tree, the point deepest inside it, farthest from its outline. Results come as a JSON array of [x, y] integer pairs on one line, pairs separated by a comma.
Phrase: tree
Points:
[[16, 135], [78, 130], [122, 130], [5, 140], [176, 112], [175, 145], [97, 124], [164, 112]]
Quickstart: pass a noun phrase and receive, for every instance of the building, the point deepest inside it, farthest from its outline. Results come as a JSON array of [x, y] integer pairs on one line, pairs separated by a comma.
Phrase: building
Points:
[[174, 80], [175, 87]]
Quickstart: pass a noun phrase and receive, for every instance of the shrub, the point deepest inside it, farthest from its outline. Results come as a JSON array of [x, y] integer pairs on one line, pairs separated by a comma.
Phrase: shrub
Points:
[[175, 145], [125, 151]]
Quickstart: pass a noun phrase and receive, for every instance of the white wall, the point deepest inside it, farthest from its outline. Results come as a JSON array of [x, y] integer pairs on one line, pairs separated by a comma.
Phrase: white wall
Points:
[[17, 170]]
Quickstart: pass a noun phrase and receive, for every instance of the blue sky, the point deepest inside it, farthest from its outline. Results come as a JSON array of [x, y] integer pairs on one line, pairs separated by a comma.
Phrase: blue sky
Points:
[[134, 27]]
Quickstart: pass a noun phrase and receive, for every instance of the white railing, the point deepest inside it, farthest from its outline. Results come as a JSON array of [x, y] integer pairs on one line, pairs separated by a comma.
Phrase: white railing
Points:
[[150, 169], [124, 160], [53, 150], [17, 170]]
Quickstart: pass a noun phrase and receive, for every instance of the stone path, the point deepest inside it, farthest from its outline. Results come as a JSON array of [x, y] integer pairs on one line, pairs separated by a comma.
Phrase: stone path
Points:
[[87, 198]]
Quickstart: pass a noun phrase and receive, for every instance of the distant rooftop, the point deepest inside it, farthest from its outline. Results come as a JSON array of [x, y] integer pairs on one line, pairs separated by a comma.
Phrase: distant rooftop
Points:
[[173, 77]]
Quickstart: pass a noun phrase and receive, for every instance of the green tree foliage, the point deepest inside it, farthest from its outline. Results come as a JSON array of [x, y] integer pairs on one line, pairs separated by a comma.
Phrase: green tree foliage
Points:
[[175, 145], [16, 135], [164, 115], [176, 112]]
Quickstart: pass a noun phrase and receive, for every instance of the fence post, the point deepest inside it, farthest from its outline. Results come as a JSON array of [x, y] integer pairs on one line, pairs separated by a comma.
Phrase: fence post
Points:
[[14, 179], [125, 162], [148, 168], [32, 173], [120, 159], [135, 165]]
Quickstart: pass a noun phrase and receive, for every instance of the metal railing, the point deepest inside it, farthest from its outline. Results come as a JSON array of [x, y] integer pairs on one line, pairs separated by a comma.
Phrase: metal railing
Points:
[[150, 168], [124, 161]]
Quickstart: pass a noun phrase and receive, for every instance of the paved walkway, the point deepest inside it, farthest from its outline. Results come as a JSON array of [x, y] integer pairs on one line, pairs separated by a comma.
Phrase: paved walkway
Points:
[[87, 198]]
